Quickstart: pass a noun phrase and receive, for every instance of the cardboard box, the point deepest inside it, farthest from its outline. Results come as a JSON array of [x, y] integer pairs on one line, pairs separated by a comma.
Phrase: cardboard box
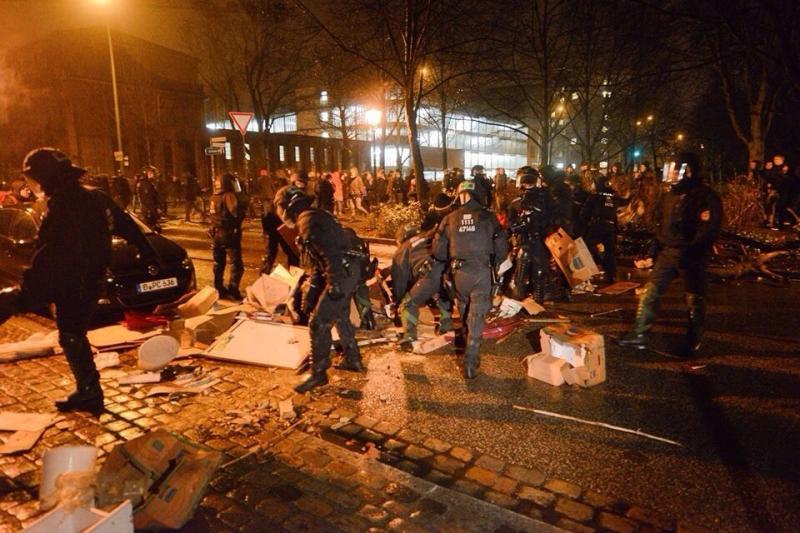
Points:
[[165, 472], [572, 257], [546, 368], [580, 348]]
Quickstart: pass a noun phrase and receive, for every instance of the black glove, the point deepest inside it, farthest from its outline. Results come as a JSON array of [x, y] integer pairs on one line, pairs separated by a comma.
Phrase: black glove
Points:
[[8, 303], [335, 292]]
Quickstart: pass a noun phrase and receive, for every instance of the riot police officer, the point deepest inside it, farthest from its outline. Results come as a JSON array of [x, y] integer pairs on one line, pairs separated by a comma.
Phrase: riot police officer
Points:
[[416, 279], [322, 237], [691, 221], [472, 240], [148, 199], [598, 220], [226, 232], [483, 185], [72, 255], [530, 219]]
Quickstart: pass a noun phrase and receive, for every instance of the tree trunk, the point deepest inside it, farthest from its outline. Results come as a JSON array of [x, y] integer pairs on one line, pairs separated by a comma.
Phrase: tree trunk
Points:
[[413, 145]]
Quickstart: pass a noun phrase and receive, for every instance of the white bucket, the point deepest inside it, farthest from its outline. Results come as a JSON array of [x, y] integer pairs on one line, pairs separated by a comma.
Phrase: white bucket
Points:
[[157, 352], [60, 460]]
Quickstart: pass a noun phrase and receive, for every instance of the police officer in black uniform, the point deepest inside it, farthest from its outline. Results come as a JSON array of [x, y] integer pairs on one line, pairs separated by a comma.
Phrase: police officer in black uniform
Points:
[[416, 279], [598, 220], [530, 219], [483, 185], [226, 232], [322, 237], [473, 241], [690, 223], [149, 200], [72, 255]]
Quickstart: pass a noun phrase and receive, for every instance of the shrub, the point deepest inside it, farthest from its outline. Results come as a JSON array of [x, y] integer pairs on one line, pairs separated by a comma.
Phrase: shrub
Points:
[[386, 219]]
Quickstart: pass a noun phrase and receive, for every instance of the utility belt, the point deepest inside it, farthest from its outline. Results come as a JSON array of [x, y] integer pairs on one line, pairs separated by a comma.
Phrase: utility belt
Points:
[[458, 263]]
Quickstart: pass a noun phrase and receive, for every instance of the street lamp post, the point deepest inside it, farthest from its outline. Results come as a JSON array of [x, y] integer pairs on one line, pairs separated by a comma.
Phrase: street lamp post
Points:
[[119, 156], [373, 119]]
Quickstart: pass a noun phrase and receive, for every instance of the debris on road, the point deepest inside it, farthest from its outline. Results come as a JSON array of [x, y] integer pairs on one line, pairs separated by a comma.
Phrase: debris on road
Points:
[[117, 520], [600, 424], [618, 288], [27, 427], [288, 346], [157, 352], [572, 257], [68, 477], [106, 360], [200, 303], [37, 345], [569, 354], [164, 476], [531, 307]]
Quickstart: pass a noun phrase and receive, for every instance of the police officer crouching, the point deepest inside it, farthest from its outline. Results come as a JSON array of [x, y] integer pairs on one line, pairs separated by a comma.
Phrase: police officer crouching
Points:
[[472, 240], [72, 255], [691, 221], [321, 237]]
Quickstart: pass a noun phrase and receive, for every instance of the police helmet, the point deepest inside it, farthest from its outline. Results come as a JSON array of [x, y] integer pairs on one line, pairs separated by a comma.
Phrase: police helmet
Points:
[[442, 202], [406, 232], [289, 202], [48, 164], [477, 170], [527, 177]]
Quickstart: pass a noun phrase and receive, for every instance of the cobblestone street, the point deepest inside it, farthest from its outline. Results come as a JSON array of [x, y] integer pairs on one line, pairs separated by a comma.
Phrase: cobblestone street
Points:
[[330, 469]]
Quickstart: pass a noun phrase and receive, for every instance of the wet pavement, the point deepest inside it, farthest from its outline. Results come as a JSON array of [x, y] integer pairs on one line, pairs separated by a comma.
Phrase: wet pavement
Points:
[[735, 412]]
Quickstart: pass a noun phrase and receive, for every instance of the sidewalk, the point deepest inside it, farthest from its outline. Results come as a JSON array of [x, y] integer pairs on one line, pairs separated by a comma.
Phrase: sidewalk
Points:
[[327, 470]]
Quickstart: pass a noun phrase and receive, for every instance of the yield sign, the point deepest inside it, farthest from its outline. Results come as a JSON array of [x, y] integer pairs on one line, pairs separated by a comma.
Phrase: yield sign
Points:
[[240, 119]]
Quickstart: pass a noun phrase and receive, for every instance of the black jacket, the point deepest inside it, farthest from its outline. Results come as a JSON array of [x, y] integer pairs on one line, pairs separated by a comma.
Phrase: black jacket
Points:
[[74, 246], [407, 260], [325, 244], [470, 233], [691, 217]]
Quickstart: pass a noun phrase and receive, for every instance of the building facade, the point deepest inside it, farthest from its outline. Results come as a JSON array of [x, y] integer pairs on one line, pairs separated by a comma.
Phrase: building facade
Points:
[[62, 96]]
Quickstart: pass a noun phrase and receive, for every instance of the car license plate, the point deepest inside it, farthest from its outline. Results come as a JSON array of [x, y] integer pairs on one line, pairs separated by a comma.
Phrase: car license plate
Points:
[[157, 285]]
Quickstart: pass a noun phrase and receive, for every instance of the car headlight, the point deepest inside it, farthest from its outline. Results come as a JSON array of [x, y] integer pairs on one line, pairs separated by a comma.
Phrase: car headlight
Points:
[[187, 263]]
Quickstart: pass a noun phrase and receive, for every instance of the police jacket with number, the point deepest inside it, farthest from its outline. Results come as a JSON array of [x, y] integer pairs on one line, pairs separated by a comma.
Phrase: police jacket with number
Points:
[[471, 233], [407, 260], [691, 216], [325, 244], [73, 248]]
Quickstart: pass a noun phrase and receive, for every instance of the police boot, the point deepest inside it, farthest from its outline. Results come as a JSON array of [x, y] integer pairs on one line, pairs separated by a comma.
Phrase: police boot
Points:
[[408, 318], [317, 379], [368, 320], [351, 360], [538, 289], [696, 306], [88, 395], [645, 316], [445, 325], [232, 291], [471, 364]]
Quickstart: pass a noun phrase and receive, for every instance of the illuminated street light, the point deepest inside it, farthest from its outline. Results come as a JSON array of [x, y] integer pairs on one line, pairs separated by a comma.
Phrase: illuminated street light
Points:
[[373, 119], [119, 156], [638, 122], [649, 118], [680, 136]]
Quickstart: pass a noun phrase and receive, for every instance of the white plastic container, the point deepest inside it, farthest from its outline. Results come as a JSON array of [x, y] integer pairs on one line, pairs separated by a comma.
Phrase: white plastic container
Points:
[[60, 460], [157, 352]]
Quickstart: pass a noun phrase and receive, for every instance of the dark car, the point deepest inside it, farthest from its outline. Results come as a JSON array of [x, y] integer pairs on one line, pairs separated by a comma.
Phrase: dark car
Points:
[[130, 283]]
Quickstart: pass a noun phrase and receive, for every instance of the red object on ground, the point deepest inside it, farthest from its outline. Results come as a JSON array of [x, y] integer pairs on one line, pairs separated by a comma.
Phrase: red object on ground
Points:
[[139, 321]]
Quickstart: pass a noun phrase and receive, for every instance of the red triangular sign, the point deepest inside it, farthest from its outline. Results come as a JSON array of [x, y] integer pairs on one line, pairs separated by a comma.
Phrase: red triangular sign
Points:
[[240, 119]]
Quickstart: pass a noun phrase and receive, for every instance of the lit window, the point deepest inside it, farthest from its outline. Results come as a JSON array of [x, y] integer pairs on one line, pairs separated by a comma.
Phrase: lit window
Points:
[[228, 152], [324, 116], [297, 154], [574, 96], [325, 134], [282, 153], [323, 97], [311, 154]]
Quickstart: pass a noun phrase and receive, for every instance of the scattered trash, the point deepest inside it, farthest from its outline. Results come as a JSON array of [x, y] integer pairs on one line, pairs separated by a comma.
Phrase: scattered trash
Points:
[[118, 337], [288, 346], [206, 328], [140, 321], [618, 288], [603, 313], [584, 288], [643, 264], [157, 352], [106, 360], [572, 257], [600, 424], [185, 384], [268, 292], [425, 346], [509, 307], [286, 408], [136, 379], [200, 303], [37, 345], [164, 476], [117, 520], [531, 307], [63, 461], [27, 427], [569, 354]]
